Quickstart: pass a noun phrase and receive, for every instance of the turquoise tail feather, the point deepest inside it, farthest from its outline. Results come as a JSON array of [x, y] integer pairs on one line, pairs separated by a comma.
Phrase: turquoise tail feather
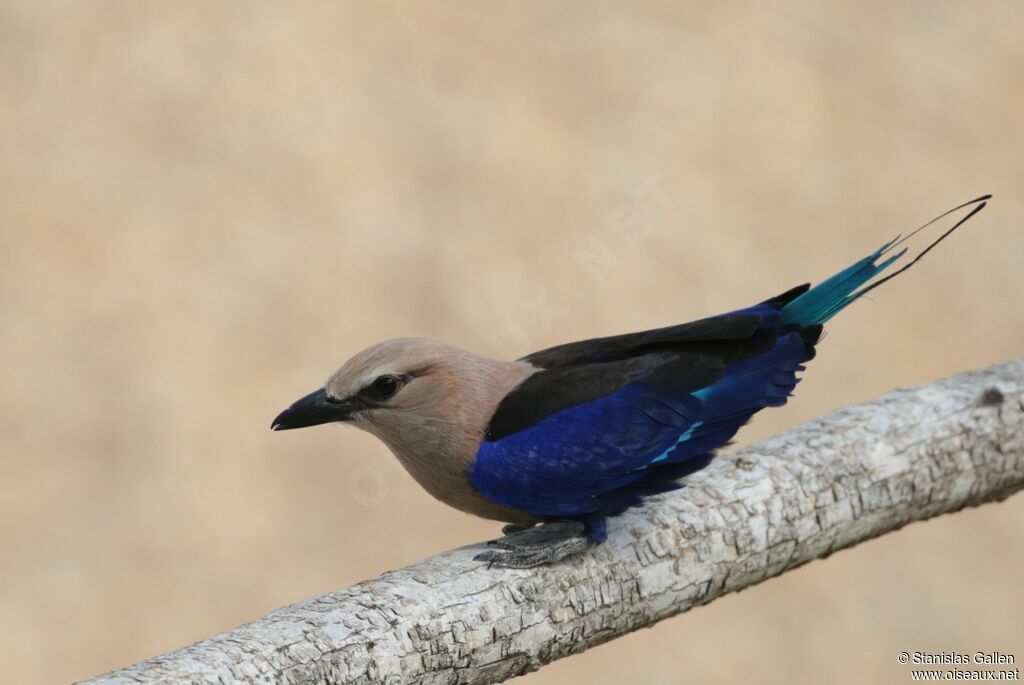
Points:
[[831, 296]]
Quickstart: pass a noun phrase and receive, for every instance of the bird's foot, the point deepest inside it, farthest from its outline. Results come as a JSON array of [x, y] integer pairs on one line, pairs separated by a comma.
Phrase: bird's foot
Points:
[[528, 547], [519, 537]]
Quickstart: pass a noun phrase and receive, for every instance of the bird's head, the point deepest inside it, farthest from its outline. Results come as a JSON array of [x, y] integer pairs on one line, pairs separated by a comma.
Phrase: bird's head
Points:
[[406, 388]]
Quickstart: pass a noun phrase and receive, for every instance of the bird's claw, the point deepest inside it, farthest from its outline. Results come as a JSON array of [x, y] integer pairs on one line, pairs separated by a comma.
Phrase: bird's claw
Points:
[[544, 544], [533, 556]]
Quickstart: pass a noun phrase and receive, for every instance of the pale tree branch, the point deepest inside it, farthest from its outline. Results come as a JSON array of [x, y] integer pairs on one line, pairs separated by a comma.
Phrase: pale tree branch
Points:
[[854, 474]]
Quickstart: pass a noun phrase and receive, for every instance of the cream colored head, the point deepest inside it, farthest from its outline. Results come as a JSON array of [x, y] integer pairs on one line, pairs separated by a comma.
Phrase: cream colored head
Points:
[[398, 379], [409, 392], [427, 401]]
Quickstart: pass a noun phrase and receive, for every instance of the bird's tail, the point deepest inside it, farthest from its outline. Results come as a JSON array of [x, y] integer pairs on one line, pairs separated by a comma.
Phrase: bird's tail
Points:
[[831, 296]]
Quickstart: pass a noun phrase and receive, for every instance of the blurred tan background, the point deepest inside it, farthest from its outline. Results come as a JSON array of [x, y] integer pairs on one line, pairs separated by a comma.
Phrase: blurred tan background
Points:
[[206, 207]]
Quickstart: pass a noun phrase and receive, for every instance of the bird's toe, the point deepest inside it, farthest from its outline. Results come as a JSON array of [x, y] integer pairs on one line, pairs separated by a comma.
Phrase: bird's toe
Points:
[[535, 553]]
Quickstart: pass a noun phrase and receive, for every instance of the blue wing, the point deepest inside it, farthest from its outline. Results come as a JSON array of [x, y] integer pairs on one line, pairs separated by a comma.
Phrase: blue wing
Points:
[[605, 454]]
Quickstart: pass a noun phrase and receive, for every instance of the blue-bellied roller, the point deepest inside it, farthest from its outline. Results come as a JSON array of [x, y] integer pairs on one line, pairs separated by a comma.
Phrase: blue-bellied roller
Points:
[[572, 435]]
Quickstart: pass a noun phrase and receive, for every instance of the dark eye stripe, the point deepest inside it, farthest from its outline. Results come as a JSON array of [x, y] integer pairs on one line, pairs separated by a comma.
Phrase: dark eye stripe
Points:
[[369, 397], [384, 386]]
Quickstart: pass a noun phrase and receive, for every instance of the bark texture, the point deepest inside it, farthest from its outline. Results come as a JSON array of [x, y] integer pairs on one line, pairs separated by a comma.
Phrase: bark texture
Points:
[[851, 475]]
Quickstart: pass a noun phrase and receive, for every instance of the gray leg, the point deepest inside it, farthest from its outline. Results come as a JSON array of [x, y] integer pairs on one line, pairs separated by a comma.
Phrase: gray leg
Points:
[[538, 545]]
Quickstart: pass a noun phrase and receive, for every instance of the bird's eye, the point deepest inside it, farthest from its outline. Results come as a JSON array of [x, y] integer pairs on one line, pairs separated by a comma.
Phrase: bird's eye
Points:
[[384, 387]]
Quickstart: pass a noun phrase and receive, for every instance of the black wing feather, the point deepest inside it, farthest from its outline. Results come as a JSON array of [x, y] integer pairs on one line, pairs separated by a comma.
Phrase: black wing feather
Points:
[[725, 327], [551, 390], [615, 347], [672, 360]]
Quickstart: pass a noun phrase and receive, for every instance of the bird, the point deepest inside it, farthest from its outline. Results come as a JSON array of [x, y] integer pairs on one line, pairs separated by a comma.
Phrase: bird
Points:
[[555, 443]]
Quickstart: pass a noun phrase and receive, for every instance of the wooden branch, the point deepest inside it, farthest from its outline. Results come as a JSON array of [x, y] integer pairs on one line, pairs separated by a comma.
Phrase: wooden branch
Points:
[[854, 474]]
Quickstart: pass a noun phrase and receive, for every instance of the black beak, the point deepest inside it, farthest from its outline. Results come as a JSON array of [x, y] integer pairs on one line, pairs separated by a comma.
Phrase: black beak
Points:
[[315, 408]]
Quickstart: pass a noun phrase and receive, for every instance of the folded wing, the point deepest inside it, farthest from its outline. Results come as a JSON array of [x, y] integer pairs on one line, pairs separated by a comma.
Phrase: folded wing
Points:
[[613, 419]]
